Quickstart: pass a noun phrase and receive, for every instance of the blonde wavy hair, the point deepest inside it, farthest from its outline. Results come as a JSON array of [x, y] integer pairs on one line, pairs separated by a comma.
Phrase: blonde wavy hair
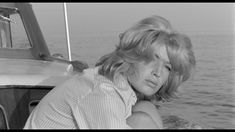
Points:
[[134, 46]]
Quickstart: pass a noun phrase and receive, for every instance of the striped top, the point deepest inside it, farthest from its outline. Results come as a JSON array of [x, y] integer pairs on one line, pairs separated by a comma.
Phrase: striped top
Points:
[[87, 101]]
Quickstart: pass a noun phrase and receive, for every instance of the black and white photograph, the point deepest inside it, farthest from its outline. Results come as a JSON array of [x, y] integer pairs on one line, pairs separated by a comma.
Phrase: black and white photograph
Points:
[[123, 65]]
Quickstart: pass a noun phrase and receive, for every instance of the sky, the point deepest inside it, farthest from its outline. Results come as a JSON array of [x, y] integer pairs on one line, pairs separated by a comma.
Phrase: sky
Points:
[[108, 18]]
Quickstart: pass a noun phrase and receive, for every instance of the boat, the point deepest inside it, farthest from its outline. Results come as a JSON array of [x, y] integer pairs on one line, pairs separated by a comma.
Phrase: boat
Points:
[[28, 70]]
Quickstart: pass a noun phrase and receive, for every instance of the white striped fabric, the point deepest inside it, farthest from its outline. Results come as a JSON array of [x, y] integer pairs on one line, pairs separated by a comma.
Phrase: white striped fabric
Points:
[[88, 101]]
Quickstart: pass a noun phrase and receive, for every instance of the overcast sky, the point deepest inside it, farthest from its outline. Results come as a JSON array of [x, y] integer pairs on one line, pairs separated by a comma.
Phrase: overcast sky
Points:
[[192, 18]]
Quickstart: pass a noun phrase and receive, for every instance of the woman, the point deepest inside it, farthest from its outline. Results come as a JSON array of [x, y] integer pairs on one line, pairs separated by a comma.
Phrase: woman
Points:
[[151, 61]]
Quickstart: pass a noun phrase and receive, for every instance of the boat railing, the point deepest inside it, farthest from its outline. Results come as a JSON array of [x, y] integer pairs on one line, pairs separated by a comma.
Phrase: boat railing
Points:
[[77, 65]]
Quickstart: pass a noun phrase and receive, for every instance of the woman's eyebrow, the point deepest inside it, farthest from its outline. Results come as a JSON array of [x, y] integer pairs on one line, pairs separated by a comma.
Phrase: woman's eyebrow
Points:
[[158, 56]]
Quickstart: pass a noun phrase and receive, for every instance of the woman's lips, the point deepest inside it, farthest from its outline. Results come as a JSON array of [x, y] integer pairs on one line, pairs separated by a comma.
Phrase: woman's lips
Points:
[[152, 84]]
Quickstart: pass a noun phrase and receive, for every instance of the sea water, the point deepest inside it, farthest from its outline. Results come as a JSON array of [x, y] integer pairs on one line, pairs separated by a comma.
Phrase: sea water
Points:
[[208, 98]]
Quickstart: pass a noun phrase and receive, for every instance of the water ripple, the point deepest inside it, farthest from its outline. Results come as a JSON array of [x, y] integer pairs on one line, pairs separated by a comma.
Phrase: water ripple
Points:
[[199, 104], [204, 92], [228, 105]]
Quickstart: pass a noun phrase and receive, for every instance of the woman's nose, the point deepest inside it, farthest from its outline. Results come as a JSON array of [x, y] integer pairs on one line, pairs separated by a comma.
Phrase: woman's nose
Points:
[[158, 70], [156, 74]]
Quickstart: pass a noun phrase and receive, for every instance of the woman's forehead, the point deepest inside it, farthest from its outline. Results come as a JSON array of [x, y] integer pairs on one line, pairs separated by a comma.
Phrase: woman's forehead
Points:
[[160, 50]]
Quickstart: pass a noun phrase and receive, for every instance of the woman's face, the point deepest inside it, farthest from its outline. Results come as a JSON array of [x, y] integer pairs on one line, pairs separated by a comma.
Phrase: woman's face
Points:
[[148, 77]]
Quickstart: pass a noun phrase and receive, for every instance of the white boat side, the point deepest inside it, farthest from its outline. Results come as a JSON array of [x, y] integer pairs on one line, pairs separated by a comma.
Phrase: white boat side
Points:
[[33, 72]]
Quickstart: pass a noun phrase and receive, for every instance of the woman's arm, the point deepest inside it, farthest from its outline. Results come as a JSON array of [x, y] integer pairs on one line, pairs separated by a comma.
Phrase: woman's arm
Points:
[[145, 115]]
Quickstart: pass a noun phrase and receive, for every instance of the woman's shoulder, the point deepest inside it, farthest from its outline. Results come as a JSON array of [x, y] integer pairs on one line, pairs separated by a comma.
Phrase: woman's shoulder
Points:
[[141, 120], [150, 109]]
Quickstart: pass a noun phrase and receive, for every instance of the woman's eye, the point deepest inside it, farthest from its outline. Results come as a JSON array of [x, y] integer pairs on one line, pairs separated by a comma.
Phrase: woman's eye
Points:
[[168, 68], [157, 56]]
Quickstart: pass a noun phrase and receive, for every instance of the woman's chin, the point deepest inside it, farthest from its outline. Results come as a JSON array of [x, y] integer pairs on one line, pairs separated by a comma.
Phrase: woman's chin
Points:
[[148, 94]]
